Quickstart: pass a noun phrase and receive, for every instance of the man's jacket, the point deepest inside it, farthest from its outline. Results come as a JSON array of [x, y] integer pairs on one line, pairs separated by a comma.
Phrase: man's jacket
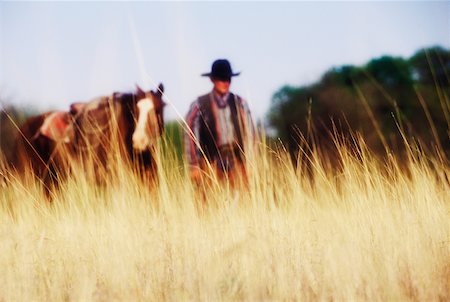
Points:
[[217, 124]]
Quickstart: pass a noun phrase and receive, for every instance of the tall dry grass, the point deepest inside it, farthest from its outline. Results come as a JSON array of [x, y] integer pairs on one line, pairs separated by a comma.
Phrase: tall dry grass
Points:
[[370, 230]]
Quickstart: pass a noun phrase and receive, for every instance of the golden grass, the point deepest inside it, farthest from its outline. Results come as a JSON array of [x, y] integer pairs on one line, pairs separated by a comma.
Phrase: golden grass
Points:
[[375, 231]]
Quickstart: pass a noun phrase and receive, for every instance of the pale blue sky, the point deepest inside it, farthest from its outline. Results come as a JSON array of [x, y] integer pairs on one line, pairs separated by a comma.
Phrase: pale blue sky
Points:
[[56, 53]]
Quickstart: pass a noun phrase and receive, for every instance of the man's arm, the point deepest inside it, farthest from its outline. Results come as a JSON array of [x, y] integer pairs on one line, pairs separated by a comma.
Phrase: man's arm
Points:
[[191, 137], [248, 121]]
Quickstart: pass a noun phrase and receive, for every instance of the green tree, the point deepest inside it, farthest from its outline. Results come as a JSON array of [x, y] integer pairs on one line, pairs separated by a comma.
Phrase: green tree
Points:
[[431, 66], [383, 93]]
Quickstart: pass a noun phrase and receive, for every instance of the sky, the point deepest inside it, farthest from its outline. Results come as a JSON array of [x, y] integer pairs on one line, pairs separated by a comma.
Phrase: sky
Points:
[[55, 53]]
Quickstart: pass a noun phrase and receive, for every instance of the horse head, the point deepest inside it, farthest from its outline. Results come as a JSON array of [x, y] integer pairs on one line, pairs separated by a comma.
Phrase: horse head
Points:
[[149, 118]]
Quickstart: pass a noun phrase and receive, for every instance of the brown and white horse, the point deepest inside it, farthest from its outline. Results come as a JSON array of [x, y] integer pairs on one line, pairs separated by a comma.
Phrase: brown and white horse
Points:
[[123, 124]]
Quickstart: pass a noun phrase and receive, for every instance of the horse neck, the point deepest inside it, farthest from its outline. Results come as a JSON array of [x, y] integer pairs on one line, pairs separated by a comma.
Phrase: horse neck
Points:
[[125, 120]]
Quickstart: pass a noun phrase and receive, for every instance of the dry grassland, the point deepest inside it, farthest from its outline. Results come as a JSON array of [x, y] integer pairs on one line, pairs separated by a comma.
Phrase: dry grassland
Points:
[[370, 231]]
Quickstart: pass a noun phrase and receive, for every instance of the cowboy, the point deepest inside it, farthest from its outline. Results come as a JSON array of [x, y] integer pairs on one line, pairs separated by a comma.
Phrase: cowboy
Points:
[[220, 128]]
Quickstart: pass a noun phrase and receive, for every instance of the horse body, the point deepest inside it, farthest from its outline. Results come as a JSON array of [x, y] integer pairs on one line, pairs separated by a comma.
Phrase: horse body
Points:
[[43, 152]]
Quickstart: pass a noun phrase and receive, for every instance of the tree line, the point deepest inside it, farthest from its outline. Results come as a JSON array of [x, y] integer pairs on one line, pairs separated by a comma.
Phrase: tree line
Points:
[[386, 101]]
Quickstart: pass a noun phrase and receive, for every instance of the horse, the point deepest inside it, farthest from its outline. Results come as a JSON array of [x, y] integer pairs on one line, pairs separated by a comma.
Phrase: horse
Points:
[[122, 124]]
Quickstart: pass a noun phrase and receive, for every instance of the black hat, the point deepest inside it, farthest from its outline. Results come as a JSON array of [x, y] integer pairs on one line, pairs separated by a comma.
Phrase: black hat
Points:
[[221, 69]]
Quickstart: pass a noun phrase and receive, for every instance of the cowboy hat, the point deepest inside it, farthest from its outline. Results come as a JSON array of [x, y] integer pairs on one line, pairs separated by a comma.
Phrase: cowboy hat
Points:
[[221, 69]]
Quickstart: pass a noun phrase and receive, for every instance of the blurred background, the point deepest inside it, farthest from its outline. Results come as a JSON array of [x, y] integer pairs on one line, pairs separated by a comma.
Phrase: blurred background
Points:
[[372, 67]]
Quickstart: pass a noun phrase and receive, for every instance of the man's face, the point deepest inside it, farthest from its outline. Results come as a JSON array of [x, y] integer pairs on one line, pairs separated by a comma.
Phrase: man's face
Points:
[[221, 86]]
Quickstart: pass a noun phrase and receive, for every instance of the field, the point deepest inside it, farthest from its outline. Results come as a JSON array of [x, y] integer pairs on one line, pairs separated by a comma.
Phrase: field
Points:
[[372, 230]]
